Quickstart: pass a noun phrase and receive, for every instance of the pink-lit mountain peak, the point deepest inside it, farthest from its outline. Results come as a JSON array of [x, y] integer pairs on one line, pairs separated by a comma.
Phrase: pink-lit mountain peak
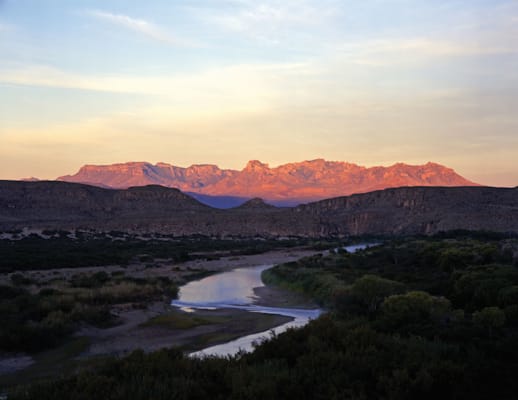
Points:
[[300, 181]]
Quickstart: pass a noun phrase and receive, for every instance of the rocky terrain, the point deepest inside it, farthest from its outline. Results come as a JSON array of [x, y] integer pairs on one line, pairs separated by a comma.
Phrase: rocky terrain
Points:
[[407, 210], [418, 210], [288, 184]]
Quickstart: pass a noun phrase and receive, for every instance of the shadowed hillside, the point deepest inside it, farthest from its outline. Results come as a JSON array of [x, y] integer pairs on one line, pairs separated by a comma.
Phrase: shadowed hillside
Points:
[[417, 210]]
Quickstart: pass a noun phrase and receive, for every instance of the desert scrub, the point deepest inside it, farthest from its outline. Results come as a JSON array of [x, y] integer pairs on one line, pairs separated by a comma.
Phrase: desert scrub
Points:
[[35, 321]]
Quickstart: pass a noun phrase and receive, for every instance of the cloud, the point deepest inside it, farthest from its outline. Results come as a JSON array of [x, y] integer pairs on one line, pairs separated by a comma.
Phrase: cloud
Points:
[[348, 132], [141, 26], [399, 51], [444, 47], [242, 86], [259, 13], [270, 20]]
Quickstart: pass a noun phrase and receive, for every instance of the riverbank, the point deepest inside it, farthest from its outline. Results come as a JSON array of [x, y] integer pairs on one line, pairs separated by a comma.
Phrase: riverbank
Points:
[[155, 325], [204, 327], [404, 326], [161, 326]]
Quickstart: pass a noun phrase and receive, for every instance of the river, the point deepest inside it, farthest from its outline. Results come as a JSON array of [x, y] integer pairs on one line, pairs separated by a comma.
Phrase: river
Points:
[[235, 289]]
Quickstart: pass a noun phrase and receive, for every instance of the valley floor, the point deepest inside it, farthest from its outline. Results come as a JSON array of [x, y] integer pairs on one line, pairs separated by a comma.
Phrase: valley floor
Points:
[[151, 326]]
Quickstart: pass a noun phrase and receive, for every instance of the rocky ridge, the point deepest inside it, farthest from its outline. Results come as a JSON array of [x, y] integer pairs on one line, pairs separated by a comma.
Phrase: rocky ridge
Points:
[[407, 210], [292, 183]]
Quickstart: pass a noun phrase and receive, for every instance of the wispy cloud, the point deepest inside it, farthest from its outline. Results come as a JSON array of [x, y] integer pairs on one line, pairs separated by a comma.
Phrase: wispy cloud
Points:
[[385, 52], [267, 20], [242, 86], [147, 28], [445, 47]]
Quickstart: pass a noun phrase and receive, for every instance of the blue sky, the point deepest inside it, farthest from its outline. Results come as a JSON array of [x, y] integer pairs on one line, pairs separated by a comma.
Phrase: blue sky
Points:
[[372, 82]]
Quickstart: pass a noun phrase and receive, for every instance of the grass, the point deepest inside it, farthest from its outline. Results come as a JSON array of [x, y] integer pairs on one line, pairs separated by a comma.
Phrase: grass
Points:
[[245, 323], [180, 320], [211, 339]]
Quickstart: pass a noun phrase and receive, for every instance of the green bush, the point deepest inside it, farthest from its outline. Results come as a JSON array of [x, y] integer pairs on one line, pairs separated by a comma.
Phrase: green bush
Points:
[[489, 319]]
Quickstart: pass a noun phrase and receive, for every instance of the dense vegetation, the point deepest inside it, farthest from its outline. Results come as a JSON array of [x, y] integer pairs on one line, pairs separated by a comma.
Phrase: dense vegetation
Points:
[[35, 319], [469, 272], [410, 319], [83, 249], [38, 311]]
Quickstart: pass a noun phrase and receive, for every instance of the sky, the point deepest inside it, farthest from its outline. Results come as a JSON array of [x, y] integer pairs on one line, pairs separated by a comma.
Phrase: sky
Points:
[[372, 82]]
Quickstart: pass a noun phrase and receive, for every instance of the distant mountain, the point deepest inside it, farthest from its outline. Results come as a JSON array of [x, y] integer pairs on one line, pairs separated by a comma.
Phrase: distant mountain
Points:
[[408, 210], [218, 201], [256, 204], [288, 184]]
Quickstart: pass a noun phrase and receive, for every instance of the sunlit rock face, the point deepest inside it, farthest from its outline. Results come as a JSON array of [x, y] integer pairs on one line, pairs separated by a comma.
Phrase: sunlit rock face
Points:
[[292, 183]]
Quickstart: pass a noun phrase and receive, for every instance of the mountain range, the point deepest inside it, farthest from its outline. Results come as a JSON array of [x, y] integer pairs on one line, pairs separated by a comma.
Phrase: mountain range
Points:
[[286, 185], [406, 210]]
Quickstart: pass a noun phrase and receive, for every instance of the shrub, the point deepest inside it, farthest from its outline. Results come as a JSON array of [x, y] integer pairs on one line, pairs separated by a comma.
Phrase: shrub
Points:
[[489, 319]]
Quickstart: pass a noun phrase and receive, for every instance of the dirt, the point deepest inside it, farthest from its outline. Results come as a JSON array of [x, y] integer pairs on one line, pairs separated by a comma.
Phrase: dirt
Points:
[[177, 272], [130, 335], [134, 334], [235, 323]]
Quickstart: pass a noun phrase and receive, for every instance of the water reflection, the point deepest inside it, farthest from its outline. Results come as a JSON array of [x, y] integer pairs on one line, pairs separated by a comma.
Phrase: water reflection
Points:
[[235, 289], [354, 248], [246, 343], [232, 287]]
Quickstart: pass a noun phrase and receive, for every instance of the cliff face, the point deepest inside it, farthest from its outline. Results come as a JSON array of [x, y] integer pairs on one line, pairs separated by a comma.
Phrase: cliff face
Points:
[[122, 176], [418, 210], [153, 208], [294, 182]]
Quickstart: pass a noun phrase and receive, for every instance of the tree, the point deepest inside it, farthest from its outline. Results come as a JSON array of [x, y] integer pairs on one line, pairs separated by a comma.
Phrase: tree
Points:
[[508, 296], [415, 307], [371, 290], [489, 318]]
